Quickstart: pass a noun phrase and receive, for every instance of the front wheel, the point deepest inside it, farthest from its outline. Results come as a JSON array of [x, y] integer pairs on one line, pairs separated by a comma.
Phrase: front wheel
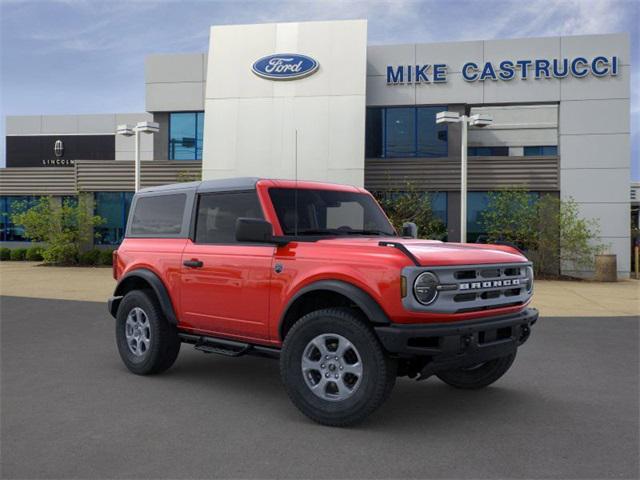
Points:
[[478, 376], [334, 368]]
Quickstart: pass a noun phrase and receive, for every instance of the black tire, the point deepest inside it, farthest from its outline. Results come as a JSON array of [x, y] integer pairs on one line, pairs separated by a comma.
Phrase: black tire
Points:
[[378, 370], [479, 376], [164, 344]]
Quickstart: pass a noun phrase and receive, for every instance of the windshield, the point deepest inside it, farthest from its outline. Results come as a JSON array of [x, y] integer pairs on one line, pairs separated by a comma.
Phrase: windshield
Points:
[[328, 212]]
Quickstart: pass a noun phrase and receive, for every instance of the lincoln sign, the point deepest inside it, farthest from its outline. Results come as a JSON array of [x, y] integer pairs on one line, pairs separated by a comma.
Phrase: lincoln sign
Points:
[[506, 70]]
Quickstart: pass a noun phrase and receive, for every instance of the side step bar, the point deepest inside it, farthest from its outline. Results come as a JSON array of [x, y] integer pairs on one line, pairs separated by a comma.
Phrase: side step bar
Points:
[[229, 348]]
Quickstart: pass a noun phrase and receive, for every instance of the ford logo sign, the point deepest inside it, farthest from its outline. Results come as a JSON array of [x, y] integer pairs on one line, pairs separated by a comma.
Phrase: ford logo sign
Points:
[[285, 66]]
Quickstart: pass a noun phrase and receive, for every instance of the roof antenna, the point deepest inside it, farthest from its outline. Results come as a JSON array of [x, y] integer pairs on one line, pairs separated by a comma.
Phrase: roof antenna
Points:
[[295, 192]]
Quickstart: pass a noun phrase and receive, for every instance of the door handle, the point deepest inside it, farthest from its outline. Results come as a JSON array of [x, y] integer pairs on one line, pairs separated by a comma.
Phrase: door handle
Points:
[[193, 263]]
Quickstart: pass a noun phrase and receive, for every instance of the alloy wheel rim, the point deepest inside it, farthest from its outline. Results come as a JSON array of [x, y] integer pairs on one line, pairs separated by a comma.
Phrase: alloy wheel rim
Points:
[[138, 332], [332, 367]]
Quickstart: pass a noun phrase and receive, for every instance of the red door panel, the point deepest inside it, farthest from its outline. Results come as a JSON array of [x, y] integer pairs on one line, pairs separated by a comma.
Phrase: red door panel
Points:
[[229, 294]]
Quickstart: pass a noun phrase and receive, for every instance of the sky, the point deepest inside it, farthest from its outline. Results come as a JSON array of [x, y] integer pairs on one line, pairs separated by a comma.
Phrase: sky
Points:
[[87, 56]]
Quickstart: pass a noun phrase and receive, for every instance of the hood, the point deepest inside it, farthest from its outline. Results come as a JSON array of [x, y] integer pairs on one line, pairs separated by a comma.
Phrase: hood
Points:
[[436, 253]]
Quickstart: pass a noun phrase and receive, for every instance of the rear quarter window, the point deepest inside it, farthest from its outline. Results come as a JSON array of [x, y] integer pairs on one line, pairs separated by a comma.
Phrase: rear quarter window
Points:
[[158, 216]]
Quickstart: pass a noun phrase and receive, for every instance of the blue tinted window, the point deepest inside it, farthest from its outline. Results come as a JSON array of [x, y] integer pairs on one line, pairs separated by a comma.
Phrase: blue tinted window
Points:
[[439, 205], [477, 202], [400, 132], [541, 151], [488, 151], [405, 132], [9, 205], [113, 207], [374, 133], [185, 135], [432, 137]]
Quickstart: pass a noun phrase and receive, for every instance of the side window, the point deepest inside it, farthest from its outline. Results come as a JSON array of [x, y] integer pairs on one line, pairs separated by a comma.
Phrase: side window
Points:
[[158, 215], [218, 212]]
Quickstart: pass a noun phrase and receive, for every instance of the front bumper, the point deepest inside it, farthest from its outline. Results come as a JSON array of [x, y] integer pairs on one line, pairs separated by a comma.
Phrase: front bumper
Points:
[[454, 345]]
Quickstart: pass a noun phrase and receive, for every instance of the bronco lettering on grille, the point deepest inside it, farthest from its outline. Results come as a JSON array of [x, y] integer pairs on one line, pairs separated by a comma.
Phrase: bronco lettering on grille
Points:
[[489, 284]]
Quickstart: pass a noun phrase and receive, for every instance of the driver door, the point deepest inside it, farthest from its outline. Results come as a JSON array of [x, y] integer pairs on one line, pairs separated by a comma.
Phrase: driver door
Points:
[[225, 284]]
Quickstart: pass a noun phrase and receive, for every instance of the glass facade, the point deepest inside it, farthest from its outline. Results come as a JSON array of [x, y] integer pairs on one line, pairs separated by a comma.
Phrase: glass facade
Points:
[[477, 202], [114, 208], [405, 132], [439, 206], [488, 151], [541, 151], [185, 135], [9, 232]]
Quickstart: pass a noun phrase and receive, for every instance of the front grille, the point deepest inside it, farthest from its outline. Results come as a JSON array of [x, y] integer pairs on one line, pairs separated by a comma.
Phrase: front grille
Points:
[[471, 288]]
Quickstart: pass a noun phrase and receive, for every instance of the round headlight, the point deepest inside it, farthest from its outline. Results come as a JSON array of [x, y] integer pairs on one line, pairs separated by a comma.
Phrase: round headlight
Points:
[[425, 288], [529, 280]]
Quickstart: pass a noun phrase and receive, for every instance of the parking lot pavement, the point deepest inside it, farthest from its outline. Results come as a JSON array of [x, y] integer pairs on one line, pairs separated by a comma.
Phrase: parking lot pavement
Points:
[[567, 409]]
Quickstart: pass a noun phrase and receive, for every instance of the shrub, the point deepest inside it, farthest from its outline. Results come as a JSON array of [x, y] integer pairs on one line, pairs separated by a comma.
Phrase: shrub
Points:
[[5, 253], [407, 204], [90, 257], [511, 216], [549, 228], [34, 254], [18, 254], [106, 257], [64, 228]]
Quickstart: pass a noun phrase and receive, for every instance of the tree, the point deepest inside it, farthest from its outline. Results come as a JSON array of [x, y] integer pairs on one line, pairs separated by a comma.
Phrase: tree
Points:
[[65, 228], [579, 237], [550, 229], [511, 217], [410, 205]]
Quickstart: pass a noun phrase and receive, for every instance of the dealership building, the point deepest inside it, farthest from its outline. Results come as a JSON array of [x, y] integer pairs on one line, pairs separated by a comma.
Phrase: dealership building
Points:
[[312, 100]]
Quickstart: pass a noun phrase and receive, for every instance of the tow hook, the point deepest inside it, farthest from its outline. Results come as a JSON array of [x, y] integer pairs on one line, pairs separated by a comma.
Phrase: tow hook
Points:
[[524, 334], [466, 343]]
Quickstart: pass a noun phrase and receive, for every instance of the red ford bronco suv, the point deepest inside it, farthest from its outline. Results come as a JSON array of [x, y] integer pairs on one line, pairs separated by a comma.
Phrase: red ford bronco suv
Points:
[[314, 274]]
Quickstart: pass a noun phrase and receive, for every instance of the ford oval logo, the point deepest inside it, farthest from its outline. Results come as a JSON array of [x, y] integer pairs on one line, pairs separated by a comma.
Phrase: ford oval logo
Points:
[[285, 66]]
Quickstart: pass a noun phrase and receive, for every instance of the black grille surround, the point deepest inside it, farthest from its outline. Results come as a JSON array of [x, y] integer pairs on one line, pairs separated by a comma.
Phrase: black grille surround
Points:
[[472, 288]]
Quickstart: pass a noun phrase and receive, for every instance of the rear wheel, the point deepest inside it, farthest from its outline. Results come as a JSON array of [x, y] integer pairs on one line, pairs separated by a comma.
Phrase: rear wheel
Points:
[[478, 376], [146, 341], [334, 368]]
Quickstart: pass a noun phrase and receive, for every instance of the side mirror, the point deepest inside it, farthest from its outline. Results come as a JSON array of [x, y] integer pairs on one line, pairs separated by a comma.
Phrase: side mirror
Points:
[[253, 230], [409, 229]]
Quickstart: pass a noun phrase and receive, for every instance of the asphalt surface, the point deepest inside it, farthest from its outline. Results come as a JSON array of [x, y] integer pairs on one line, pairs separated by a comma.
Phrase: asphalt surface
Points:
[[567, 409]]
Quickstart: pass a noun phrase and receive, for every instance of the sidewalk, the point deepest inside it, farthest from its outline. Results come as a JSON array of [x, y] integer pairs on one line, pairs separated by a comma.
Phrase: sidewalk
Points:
[[552, 298], [30, 279]]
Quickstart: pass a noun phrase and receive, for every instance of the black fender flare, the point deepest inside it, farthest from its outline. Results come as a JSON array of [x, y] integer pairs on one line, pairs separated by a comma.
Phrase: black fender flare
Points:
[[362, 299], [157, 286]]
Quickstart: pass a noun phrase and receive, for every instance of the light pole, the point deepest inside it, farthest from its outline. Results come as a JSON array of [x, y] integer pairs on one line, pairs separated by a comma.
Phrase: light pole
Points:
[[128, 131], [477, 120]]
